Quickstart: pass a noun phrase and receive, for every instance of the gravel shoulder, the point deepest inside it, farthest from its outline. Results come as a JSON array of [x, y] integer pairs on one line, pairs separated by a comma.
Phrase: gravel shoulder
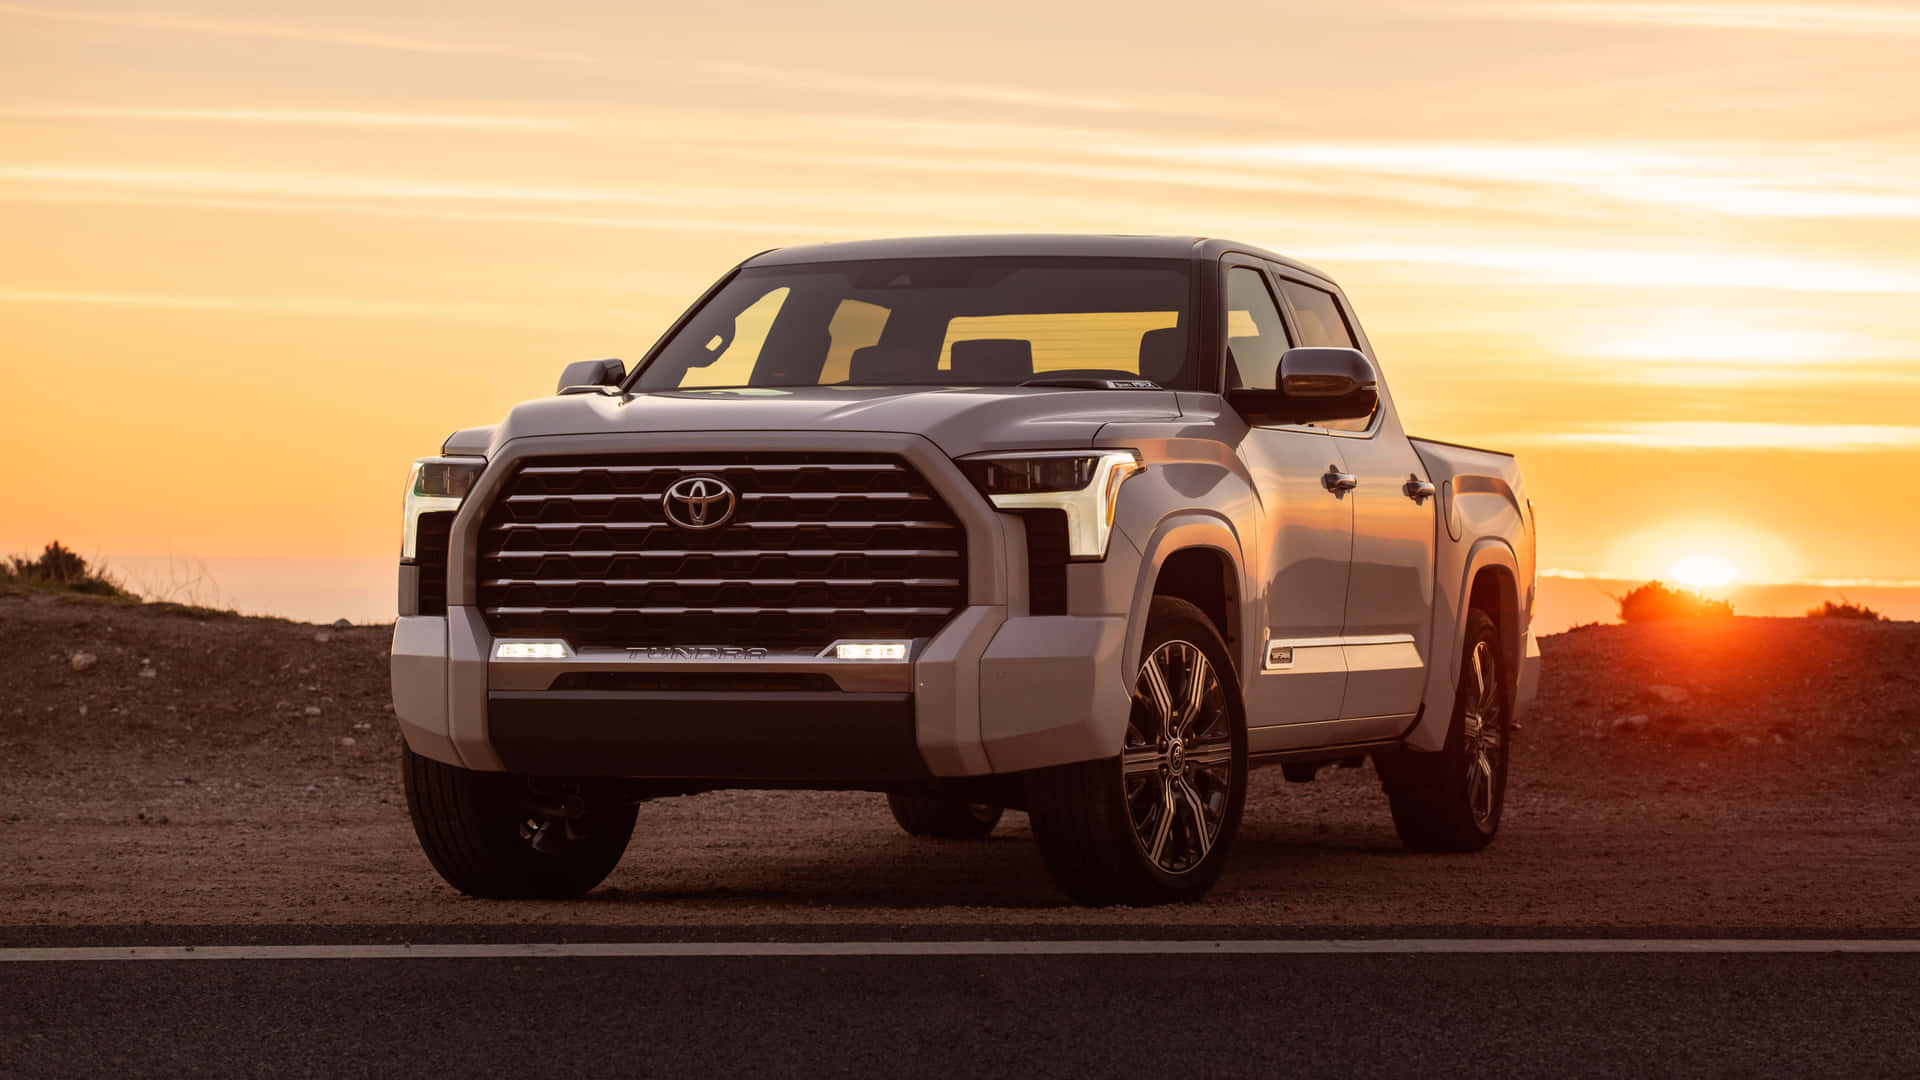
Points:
[[1740, 774]]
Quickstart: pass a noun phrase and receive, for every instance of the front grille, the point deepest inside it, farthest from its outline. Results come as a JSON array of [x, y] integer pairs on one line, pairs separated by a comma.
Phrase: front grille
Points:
[[821, 546]]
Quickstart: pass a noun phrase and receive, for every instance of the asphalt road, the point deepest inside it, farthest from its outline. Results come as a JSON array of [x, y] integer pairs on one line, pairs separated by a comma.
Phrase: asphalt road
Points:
[[1596, 1013]]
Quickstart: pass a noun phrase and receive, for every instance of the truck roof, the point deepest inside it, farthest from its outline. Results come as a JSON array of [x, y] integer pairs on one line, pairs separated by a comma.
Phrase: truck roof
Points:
[[1023, 244]]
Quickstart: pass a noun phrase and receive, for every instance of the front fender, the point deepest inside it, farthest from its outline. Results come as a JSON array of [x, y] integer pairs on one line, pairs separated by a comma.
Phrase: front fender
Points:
[[1203, 529]]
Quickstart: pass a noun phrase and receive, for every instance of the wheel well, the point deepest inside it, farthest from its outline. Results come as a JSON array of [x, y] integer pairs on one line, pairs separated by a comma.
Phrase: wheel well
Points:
[[1494, 593], [1204, 578]]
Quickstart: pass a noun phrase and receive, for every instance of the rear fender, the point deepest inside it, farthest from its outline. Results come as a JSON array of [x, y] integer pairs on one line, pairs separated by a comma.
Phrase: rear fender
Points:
[[1451, 595]]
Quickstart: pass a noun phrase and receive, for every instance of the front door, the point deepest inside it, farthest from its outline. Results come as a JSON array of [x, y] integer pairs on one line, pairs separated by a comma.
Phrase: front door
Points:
[[1306, 534], [1388, 621]]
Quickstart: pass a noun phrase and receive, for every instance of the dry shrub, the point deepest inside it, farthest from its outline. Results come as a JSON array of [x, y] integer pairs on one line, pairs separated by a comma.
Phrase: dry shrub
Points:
[[1845, 610], [59, 567], [1657, 602]]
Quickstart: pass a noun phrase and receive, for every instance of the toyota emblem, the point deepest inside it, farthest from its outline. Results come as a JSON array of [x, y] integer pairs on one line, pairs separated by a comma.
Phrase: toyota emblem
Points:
[[699, 502]]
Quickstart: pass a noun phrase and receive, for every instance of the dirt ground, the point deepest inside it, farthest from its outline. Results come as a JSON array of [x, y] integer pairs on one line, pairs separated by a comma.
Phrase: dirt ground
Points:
[[1744, 774]]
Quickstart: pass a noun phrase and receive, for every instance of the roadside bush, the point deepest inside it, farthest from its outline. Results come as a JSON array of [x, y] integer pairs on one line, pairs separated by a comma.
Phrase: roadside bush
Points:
[[1845, 610], [1656, 601], [60, 567]]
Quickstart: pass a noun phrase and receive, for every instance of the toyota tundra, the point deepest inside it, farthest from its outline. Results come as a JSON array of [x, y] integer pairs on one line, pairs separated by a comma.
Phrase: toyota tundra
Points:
[[1081, 526]]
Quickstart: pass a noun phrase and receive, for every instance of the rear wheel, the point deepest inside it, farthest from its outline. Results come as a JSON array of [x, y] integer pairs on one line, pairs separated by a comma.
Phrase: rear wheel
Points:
[[943, 818], [501, 836], [1451, 800], [1154, 823]]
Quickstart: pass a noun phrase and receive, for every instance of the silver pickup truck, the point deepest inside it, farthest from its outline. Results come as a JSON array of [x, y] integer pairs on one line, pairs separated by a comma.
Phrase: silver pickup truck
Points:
[[1086, 527]]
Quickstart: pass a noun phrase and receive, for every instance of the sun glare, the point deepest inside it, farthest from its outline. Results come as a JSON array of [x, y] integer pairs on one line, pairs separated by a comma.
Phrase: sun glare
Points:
[[1703, 572]]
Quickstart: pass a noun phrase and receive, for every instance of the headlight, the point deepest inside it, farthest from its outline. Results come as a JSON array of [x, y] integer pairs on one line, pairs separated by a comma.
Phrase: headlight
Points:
[[436, 484], [1085, 485]]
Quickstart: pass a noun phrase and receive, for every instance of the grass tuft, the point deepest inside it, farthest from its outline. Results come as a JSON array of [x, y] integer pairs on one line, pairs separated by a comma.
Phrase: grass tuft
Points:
[[61, 569]]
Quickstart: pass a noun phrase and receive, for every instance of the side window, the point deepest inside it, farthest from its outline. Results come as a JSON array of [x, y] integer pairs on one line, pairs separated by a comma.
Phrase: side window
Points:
[[856, 324], [734, 354], [1318, 316], [1255, 335]]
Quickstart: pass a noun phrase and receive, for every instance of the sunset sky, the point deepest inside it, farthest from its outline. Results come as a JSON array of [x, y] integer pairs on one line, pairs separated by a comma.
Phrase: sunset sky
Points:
[[259, 256]]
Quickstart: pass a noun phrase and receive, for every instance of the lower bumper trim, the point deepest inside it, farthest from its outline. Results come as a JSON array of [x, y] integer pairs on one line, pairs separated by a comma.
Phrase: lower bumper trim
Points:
[[831, 739]]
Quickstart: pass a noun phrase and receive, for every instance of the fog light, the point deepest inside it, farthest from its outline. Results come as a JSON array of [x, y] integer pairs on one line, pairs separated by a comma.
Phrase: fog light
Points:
[[870, 650], [530, 650]]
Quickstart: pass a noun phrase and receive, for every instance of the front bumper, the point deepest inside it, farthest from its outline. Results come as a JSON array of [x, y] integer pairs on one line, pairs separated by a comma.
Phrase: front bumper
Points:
[[988, 694]]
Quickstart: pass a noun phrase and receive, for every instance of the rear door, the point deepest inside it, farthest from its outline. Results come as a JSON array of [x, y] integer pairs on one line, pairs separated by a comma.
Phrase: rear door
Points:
[[1305, 531], [1388, 617]]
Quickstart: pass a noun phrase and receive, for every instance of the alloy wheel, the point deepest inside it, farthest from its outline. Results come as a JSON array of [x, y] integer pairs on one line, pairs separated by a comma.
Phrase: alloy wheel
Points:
[[1177, 765], [1482, 731]]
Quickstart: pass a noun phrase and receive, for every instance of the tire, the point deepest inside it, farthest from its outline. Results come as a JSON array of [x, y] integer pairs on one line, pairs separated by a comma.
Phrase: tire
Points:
[[943, 818], [1450, 800], [1122, 830], [470, 826]]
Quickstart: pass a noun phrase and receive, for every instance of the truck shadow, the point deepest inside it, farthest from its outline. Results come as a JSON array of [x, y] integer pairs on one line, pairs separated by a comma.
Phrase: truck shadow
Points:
[[1004, 872]]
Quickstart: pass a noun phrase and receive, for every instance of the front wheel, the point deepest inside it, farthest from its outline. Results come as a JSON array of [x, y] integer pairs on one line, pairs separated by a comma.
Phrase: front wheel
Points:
[[1153, 824], [499, 836], [1451, 799]]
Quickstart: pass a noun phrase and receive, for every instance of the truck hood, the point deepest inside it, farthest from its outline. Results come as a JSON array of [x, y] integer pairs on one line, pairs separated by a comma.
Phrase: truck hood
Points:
[[959, 420]]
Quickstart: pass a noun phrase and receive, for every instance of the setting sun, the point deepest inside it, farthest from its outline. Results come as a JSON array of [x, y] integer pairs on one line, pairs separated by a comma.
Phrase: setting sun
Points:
[[1703, 571]]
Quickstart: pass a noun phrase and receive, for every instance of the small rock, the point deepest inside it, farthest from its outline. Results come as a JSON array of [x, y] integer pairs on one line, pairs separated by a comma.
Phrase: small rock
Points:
[[346, 740], [83, 712], [323, 636], [1749, 740], [149, 673], [81, 661], [342, 624], [313, 710], [1634, 722], [363, 726], [1672, 695]]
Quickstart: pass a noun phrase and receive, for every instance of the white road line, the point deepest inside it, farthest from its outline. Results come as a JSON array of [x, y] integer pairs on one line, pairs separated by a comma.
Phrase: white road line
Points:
[[777, 949]]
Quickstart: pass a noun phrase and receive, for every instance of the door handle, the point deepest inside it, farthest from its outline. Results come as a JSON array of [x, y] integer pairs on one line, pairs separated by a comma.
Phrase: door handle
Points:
[[1417, 489], [1337, 481]]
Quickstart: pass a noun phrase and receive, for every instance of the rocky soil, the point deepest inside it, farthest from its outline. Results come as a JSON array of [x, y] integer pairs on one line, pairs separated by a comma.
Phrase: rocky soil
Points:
[[167, 765]]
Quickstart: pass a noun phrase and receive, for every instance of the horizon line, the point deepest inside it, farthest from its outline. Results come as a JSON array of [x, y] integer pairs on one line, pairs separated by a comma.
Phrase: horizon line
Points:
[[1561, 574]]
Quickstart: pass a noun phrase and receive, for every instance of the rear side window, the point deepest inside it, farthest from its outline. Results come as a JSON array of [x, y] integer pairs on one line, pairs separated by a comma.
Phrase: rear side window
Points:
[[1255, 335], [1318, 316]]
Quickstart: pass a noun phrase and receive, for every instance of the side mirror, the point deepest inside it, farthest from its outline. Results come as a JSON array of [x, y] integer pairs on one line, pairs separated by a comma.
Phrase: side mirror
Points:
[[1316, 385], [1325, 373], [588, 376]]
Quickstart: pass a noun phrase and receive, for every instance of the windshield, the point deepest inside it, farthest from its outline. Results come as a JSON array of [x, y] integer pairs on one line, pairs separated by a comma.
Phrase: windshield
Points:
[[942, 322]]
